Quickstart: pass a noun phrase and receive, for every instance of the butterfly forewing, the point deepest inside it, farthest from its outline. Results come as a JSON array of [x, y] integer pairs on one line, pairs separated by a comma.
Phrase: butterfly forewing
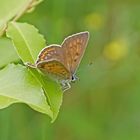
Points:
[[74, 47]]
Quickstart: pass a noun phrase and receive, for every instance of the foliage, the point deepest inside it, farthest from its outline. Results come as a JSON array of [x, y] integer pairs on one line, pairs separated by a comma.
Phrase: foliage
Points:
[[105, 102], [28, 43]]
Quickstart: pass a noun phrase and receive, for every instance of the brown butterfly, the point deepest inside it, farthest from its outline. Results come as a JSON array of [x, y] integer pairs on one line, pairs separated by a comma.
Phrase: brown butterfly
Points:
[[61, 61]]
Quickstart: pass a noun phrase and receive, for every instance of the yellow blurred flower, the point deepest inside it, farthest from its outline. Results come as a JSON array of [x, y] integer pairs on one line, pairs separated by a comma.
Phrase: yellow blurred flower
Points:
[[94, 21], [115, 50]]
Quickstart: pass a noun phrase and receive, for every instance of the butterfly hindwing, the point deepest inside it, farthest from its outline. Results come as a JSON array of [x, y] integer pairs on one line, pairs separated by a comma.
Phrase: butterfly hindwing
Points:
[[54, 68], [51, 52], [51, 61]]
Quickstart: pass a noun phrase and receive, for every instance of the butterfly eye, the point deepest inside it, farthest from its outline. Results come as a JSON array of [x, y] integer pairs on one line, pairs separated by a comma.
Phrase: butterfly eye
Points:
[[74, 78]]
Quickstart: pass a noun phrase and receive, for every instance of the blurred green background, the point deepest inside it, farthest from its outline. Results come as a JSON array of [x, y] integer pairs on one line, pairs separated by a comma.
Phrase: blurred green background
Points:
[[105, 103]]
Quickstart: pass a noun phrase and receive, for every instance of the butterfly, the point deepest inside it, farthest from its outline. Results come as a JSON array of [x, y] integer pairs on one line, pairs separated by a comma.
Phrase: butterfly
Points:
[[62, 61]]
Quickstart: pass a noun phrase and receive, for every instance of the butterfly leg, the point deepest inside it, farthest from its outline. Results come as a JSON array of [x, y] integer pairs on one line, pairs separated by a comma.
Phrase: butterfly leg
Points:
[[65, 85]]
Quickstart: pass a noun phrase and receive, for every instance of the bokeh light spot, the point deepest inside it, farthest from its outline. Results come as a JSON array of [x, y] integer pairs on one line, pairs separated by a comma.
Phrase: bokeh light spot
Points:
[[115, 50]]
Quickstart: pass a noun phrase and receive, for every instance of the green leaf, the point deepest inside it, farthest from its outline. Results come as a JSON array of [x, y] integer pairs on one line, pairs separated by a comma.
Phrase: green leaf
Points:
[[12, 10], [18, 85], [7, 52], [54, 94], [28, 43]]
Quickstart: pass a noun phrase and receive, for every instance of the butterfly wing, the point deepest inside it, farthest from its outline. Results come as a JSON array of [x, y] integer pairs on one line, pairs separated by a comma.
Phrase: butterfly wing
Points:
[[63, 61], [51, 61], [74, 47], [55, 68], [51, 52]]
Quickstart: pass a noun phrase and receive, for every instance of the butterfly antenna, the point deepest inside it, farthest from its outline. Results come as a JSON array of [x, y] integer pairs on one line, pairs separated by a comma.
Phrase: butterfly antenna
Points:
[[28, 64]]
